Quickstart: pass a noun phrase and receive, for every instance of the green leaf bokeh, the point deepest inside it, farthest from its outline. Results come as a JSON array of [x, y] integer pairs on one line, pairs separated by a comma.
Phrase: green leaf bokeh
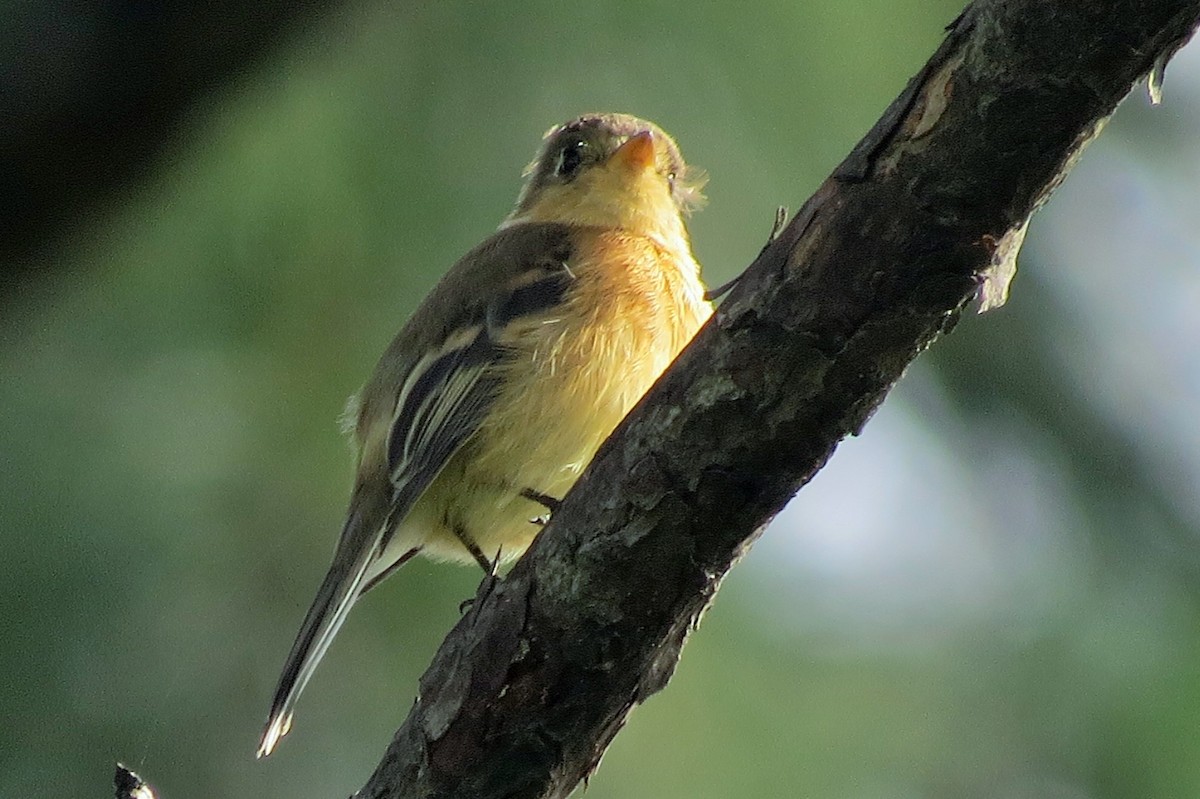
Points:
[[174, 479]]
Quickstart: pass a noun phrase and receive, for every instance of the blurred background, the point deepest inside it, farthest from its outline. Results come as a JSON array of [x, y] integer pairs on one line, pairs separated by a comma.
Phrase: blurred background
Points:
[[993, 592]]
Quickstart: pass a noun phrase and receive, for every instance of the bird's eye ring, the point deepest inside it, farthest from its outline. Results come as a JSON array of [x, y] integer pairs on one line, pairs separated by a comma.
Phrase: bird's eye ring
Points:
[[570, 159]]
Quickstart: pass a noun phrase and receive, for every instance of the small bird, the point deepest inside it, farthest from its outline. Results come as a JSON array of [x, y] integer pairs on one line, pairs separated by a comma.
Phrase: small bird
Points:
[[494, 396]]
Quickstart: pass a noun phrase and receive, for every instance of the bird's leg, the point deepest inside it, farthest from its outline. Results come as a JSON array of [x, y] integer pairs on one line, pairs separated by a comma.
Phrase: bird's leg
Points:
[[486, 586], [548, 502], [489, 567], [383, 575]]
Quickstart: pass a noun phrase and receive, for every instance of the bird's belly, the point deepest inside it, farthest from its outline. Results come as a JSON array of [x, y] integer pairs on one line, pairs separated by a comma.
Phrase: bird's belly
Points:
[[539, 436]]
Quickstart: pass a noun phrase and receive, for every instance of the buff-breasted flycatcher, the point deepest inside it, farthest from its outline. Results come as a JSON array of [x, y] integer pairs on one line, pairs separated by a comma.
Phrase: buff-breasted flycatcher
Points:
[[501, 387]]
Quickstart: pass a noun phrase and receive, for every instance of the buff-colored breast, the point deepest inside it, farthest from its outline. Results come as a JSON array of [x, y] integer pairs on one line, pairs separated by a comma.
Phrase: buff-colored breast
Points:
[[644, 304]]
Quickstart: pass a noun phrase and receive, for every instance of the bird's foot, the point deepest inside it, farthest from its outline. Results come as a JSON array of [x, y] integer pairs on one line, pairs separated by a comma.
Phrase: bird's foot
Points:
[[551, 504]]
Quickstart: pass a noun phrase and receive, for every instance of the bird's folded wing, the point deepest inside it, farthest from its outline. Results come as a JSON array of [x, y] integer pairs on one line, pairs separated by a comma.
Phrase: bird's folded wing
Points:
[[449, 392], [443, 401], [441, 404]]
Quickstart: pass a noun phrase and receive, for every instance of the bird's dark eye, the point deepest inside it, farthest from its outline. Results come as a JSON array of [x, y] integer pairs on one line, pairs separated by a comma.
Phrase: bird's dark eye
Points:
[[570, 159]]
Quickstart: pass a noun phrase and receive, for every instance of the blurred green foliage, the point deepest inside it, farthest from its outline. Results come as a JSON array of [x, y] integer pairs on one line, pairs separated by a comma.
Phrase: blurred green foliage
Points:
[[173, 478]]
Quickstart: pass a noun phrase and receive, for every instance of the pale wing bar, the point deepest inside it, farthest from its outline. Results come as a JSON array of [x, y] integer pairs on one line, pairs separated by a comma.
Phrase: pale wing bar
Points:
[[441, 405]]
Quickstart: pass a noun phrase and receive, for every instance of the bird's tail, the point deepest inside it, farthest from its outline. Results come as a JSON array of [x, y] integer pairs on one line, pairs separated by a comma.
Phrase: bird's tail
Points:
[[343, 584]]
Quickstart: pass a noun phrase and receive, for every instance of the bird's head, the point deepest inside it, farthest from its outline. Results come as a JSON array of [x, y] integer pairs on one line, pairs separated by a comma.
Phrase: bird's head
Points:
[[610, 170]]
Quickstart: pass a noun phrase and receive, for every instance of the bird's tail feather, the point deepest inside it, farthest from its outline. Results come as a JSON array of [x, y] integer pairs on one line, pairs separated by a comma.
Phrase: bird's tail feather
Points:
[[339, 590]]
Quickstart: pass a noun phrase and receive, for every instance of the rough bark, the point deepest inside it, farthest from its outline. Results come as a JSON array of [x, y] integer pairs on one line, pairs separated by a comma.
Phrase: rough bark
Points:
[[533, 683]]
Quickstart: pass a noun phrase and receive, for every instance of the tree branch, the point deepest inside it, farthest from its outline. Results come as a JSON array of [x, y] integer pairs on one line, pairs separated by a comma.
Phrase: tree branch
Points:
[[533, 683]]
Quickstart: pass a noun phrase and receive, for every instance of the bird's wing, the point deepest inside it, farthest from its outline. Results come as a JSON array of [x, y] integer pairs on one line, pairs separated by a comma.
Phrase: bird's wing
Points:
[[443, 399], [441, 404], [449, 392]]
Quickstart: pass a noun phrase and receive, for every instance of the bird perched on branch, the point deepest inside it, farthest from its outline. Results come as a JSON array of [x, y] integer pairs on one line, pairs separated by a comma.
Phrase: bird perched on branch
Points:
[[493, 397]]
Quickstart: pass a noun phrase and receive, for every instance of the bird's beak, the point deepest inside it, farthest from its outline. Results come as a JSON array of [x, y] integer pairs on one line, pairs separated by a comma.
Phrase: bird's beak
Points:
[[637, 153]]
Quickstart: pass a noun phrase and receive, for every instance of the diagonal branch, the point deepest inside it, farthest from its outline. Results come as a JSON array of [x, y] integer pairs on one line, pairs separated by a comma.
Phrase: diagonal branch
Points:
[[533, 683]]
